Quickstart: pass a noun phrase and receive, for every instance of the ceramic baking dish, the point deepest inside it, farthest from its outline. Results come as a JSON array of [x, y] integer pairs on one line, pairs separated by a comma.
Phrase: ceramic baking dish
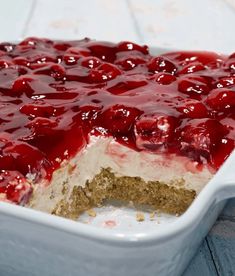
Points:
[[35, 243]]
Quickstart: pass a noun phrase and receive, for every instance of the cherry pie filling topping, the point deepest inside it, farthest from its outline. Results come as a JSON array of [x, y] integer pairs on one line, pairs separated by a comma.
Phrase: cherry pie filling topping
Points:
[[54, 94]]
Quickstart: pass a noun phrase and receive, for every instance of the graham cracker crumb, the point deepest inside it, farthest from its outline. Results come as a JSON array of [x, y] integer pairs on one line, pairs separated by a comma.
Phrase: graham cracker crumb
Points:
[[152, 216], [140, 216], [70, 168], [91, 213], [2, 196]]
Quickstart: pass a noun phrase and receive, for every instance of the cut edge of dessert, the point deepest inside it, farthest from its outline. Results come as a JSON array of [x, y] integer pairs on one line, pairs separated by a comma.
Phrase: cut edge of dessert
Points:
[[83, 122]]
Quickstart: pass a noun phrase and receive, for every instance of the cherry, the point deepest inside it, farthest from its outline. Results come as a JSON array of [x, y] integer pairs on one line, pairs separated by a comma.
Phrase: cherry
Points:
[[130, 62], [130, 46], [222, 152], [14, 185], [162, 64], [2, 53], [210, 59], [154, 130], [33, 41], [229, 65], [193, 109], [119, 119], [26, 158], [104, 51], [5, 63], [164, 78], [42, 126], [225, 82], [87, 116], [193, 85], [79, 51], [21, 61], [199, 136], [7, 47], [22, 84], [126, 84], [104, 72], [57, 71], [192, 68], [90, 62], [221, 99], [39, 109]]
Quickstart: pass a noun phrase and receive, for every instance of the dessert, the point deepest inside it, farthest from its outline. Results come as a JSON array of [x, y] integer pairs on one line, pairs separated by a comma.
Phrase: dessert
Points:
[[85, 121]]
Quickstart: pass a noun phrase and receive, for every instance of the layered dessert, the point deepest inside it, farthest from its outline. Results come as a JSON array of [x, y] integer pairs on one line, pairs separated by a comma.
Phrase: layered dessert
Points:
[[83, 121]]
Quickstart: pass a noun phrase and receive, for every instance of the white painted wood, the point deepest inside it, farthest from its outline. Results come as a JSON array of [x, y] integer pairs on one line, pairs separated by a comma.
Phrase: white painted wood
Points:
[[202, 264], [13, 18], [74, 19], [221, 240], [186, 24]]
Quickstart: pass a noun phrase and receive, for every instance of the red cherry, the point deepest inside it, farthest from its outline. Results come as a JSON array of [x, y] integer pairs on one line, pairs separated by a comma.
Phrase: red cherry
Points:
[[79, 51], [33, 41], [193, 85], [225, 82], [229, 65], [104, 72], [42, 126], [87, 116], [21, 61], [221, 99], [2, 53], [57, 71], [125, 85], [162, 64], [22, 84], [7, 162], [200, 136], [62, 46], [90, 62], [73, 54], [5, 63], [42, 57], [130, 46], [192, 68], [27, 158], [39, 109], [103, 50], [192, 109], [222, 152], [119, 119], [164, 78], [130, 62], [14, 185], [71, 59], [7, 47], [209, 59], [154, 130]]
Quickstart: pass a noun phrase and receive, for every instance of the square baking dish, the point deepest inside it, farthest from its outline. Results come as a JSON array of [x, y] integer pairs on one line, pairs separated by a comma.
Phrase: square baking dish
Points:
[[35, 243]]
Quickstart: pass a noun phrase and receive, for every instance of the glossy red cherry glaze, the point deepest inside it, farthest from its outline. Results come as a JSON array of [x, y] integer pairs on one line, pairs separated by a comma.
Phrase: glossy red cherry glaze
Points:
[[54, 94]]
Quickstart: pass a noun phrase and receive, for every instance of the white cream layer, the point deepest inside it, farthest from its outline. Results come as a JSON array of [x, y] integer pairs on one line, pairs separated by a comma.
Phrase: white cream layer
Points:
[[104, 152]]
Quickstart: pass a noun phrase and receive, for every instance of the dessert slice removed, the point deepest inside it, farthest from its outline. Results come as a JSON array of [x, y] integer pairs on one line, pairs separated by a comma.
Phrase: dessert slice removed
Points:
[[86, 121]]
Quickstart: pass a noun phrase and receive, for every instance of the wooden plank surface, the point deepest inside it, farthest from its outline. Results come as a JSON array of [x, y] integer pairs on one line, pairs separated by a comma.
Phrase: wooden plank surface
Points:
[[182, 24], [102, 19], [14, 16], [221, 240], [202, 264], [186, 24]]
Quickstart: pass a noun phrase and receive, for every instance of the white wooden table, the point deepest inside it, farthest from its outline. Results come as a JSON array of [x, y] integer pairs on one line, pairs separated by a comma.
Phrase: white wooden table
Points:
[[178, 24]]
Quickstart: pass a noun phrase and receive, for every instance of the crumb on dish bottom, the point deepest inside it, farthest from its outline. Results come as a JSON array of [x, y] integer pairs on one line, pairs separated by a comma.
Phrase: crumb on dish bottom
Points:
[[106, 186]]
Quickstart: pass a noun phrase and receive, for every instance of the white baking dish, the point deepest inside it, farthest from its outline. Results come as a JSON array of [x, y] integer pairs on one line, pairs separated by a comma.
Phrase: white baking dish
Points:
[[35, 243]]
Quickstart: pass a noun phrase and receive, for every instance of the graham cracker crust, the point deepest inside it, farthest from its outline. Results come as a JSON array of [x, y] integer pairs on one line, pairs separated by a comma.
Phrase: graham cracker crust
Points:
[[107, 186]]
